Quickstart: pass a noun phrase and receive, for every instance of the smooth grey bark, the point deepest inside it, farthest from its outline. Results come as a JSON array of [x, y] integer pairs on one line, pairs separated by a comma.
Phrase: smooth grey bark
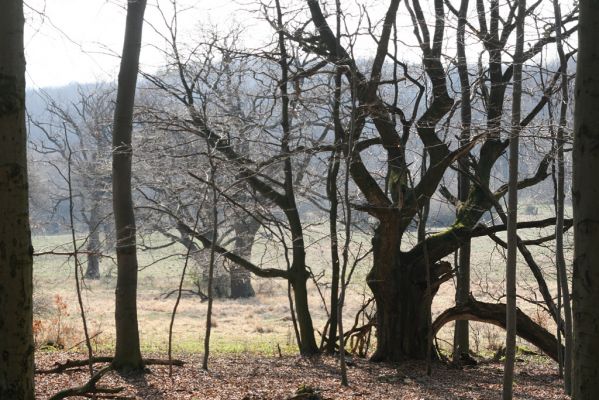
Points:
[[127, 354], [512, 213], [16, 339], [585, 199]]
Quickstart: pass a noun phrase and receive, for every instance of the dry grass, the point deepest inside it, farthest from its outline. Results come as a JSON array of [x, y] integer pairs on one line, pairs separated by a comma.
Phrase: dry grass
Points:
[[258, 325]]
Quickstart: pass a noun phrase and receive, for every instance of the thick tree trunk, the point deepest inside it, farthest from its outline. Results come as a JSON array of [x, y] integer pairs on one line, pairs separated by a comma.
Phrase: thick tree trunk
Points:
[[16, 340], [127, 354], [402, 309], [241, 281], [585, 193]]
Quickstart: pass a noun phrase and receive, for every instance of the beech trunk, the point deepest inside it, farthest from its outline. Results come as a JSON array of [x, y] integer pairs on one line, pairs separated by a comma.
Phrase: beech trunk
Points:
[[16, 340]]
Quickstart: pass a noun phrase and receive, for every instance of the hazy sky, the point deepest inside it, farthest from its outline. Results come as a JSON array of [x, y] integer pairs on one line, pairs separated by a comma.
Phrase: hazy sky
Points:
[[80, 40]]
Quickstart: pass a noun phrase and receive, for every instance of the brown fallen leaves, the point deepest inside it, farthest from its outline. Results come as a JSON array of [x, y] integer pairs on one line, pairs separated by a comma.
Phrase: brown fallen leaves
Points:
[[251, 377]]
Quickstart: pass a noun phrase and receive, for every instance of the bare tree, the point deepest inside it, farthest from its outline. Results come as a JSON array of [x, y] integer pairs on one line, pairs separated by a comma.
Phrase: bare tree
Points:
[[88, 126], [127, 353]]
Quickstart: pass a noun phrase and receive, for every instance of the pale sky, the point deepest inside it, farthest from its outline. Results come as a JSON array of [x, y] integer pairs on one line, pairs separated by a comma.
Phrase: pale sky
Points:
[[80, 40]]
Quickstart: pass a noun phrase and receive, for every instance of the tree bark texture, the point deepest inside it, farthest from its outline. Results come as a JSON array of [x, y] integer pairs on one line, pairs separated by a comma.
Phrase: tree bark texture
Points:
[[399, 288], [127, 353], [16, 339], [585, 196]]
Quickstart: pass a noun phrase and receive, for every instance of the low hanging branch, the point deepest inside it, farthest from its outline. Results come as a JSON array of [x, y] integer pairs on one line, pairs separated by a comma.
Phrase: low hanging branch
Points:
[[494, 313]]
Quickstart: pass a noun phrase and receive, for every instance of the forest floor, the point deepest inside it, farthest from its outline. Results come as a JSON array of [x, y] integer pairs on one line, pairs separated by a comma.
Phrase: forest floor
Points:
[[252, 377]]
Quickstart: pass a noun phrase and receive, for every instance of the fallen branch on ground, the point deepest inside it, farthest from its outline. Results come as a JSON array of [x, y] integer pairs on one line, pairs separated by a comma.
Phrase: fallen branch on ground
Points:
[[89, 388], [61, 367]]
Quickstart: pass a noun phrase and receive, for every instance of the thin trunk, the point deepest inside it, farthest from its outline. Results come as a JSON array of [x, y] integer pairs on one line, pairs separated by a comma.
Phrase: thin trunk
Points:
[[585, 195], [127, 354], [461, 345], [512, 230], [190, 245], [69, 182], [16, 345], [561, 192], [298, 273], [211, 264], [332, 175], [423, 213]]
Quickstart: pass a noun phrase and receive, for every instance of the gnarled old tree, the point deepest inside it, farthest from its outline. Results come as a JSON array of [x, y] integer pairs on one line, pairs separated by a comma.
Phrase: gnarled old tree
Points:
[[398, 277], [420, 118], [16, 318]]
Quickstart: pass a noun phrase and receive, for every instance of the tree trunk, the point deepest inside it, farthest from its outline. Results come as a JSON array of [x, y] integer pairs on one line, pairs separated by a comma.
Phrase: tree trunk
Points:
[[299, 278], [127, 354], [512, 212], [461, 344], [401, 304], [585, 193], [93, 245], [560, 260], [241, 281], [16, 343]]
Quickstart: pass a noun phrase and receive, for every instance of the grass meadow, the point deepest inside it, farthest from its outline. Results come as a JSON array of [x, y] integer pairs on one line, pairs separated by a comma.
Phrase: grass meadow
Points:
[[259, 325]]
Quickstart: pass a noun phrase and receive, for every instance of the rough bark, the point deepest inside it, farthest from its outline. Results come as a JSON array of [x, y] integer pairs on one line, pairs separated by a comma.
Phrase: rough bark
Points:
[[399, 289], [127, 354], [16, 340], [585, 193]]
